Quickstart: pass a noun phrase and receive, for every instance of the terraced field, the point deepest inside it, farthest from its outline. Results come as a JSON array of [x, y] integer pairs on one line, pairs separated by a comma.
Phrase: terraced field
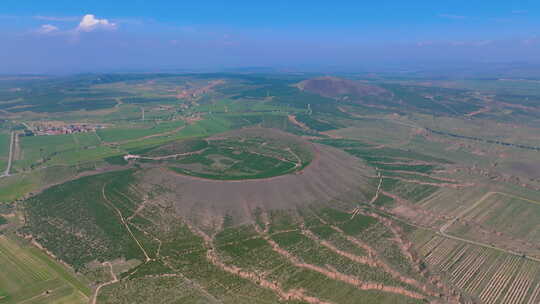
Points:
[[498, 212], [487, 275], [283, 257]]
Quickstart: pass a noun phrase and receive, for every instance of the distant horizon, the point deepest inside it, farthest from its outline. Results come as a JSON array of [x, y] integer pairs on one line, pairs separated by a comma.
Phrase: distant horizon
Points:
[[444, 70], [64, 37]]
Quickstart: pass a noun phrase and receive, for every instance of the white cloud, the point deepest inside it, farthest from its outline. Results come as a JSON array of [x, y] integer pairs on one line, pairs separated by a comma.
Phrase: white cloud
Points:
[[90, 23], [47, 28]]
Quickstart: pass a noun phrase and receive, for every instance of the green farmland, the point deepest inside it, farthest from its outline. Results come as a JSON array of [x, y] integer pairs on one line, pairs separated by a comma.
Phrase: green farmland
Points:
[[27, 275]]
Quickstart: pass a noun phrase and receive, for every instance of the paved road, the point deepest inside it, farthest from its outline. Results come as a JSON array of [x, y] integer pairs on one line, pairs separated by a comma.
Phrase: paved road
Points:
[[11, 147]]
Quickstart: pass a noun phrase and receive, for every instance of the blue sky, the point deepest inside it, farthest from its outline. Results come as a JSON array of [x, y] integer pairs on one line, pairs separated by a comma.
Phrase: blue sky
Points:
[[75, 36]]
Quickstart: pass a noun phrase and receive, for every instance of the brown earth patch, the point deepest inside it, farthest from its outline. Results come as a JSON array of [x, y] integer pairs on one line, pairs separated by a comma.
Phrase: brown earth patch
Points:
[[332, 175]]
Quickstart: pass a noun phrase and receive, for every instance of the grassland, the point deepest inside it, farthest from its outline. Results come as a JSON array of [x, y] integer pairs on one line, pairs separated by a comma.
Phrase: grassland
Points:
[[65, 149], [15, 187], [206, 127], [19, 185], [137, 131]]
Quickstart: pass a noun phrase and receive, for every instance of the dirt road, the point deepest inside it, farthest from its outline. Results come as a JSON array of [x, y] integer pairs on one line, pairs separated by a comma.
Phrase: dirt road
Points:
[[10, 159], [124, 223], [114, 280]]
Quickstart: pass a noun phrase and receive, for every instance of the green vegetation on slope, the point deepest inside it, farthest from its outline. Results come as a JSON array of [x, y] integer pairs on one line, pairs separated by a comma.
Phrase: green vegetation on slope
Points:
[[77, 222]]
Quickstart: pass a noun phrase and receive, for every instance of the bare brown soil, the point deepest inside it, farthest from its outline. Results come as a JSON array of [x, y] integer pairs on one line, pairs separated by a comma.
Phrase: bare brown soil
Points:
[[454, 186], [292, 119], [332, 175], [482, 110], [446, 179], [17, 151]]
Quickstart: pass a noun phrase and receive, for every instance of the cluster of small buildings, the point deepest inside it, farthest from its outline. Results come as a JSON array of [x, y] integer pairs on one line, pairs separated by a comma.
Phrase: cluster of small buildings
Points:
[[46, 129]]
